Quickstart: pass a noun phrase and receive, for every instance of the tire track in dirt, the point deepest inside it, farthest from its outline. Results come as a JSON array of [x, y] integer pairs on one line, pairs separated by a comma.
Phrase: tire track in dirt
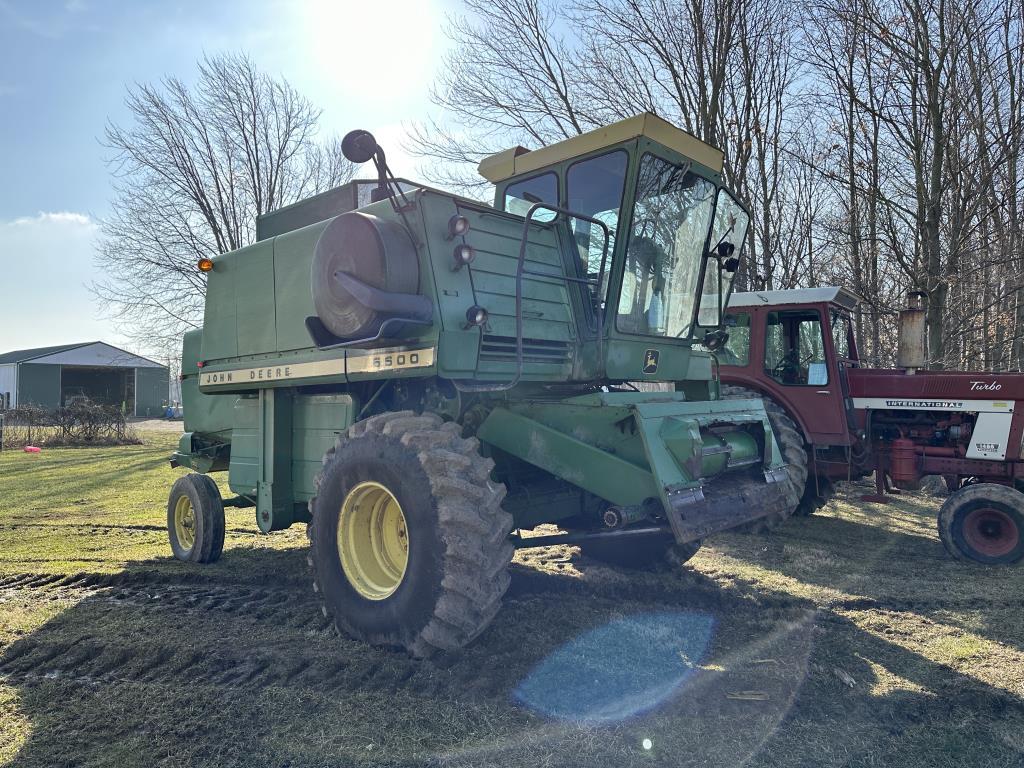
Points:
[[305, 652], [316, 658], [97, 663]]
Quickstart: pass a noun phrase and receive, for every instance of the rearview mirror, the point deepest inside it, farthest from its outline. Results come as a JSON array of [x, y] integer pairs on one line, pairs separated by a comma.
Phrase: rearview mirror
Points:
[[358, 146]]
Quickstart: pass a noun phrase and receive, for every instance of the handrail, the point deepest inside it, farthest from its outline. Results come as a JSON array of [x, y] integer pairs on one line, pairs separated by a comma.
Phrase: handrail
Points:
[[520, 271]]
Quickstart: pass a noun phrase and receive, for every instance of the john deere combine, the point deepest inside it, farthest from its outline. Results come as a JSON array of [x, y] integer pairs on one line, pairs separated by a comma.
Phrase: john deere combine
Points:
[[420, 377]]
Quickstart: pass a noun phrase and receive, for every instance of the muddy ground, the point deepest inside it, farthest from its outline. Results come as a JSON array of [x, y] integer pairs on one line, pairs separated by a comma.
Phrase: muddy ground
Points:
[[845, 639]]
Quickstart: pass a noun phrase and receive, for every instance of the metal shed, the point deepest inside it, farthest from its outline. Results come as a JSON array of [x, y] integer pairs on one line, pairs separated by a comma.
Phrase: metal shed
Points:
[[52, 376]]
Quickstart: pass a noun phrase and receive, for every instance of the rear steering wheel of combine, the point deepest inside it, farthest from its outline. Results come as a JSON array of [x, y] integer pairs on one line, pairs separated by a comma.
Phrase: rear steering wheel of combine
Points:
[[644, 553], [195, 519], [794, 453], [984, 523], [409, 545]]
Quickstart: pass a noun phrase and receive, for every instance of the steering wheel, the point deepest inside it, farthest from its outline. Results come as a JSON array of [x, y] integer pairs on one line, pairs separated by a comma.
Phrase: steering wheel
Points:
[[790, 365]]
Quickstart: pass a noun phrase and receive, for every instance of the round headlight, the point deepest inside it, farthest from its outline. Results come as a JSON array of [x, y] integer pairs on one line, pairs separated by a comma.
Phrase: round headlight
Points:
[[476, 315]]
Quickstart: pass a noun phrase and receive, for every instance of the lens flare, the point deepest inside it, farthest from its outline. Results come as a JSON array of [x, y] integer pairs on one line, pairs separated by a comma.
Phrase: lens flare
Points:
[[618, 670]]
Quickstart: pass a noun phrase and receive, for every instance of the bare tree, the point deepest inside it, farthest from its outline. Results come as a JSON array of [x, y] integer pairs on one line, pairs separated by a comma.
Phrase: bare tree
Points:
[[193, 170], [877, 142], [722, 69], [920, 102]]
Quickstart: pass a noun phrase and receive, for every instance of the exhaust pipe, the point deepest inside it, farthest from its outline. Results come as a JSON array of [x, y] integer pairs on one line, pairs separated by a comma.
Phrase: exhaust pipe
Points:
[[910, 354]]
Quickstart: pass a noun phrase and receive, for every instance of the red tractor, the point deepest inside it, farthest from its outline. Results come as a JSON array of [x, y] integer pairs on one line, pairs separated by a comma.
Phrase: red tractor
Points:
[[796, 350]]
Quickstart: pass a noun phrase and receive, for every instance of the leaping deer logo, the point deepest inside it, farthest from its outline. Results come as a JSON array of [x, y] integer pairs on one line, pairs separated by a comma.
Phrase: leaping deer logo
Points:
[[651, 361]]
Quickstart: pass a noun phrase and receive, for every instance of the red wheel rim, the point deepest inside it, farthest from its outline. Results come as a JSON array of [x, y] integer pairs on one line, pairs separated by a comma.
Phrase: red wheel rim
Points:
[[991, 532]]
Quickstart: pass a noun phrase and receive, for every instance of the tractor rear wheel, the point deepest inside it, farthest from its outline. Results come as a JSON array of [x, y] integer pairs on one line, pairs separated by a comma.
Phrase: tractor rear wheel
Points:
[[984, 523], [794, 453], [195, 519], [647, 553], [409, 545]]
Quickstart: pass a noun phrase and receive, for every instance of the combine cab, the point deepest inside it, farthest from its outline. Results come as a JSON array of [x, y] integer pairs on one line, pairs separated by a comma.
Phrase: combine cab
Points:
[[419, 377], [796, 349]]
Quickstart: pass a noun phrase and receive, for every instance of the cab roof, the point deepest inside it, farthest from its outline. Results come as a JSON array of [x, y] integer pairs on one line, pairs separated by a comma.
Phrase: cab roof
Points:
[[519, 160], [826, 294]]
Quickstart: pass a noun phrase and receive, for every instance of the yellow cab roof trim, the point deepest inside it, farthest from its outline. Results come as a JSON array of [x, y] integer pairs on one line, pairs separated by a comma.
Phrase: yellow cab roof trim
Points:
[[519, 160]]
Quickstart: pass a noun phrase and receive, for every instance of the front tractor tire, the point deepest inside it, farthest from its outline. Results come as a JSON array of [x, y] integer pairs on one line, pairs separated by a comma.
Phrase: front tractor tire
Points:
[[409, 545], [817, 493], [984, 523], [794, 453], [195, 519]]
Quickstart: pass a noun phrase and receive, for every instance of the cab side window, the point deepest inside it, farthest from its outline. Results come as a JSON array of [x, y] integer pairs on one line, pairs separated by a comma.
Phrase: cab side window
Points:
[[737, 349], [519, 197], [842, 333], [794, 350]]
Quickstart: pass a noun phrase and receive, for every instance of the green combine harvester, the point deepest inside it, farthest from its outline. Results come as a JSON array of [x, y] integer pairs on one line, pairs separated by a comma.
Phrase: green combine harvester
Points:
[[421, 377]]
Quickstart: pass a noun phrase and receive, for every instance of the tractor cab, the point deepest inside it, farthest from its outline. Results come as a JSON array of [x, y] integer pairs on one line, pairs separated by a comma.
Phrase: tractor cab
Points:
[[654, 235], [795, 346]]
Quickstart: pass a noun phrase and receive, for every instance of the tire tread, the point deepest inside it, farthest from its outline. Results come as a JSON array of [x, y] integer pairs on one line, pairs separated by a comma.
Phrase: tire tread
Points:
[[473, 526]]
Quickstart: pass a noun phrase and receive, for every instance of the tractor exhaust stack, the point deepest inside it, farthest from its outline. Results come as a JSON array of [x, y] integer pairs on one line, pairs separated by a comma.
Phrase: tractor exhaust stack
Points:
[[910, 354]]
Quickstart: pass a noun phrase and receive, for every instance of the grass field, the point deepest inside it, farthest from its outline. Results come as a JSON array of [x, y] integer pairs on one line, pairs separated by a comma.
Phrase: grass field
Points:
[[845, 639]]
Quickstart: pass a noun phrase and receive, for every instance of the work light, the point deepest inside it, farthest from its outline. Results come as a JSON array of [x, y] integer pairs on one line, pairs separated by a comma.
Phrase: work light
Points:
[[463, 255], [458, 225], [476, 315]]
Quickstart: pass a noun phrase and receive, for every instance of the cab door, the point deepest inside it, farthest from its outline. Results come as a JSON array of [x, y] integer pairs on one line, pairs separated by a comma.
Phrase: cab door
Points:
[[799, 360]]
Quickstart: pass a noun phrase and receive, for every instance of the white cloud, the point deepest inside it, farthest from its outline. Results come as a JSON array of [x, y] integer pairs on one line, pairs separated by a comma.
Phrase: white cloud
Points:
[[46, 265], [56, 217]]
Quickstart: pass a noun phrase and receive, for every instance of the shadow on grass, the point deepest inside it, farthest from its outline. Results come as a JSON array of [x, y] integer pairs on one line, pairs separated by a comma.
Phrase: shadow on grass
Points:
[[233, 664]]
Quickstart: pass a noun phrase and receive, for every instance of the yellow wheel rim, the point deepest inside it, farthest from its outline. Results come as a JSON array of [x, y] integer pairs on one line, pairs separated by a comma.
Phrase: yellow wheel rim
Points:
[[373, 541], [185, 522]]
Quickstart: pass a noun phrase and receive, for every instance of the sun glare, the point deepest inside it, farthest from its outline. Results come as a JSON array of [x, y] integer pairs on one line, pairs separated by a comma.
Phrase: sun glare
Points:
[[374, 53]]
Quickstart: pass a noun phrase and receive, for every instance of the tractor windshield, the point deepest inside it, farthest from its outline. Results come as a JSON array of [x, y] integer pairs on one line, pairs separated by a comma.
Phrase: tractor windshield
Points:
[[671, 218]]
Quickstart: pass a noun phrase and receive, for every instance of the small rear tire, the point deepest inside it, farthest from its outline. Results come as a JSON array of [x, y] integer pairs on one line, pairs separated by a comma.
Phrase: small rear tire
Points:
[[647, 553], [984, 523], [195, 519]]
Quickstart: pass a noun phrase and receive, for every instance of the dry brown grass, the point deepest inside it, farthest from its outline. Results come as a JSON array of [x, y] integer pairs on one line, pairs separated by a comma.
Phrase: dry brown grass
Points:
[[846, 639]]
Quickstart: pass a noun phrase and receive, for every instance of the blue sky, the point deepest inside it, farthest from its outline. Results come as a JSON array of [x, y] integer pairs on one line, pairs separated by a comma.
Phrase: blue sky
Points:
[[64, 67]]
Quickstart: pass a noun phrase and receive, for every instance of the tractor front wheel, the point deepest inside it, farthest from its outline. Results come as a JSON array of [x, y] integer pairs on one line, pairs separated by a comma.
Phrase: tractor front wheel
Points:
[[409, 545], [817, 493], [195, 519], [794, 453], [984, 523]]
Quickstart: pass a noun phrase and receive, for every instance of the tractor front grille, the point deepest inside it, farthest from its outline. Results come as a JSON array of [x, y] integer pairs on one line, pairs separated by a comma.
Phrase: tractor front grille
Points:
[[503, 348]]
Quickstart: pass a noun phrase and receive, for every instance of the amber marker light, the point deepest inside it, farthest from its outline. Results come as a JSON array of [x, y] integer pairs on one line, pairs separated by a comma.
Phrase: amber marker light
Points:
[[205, 265]]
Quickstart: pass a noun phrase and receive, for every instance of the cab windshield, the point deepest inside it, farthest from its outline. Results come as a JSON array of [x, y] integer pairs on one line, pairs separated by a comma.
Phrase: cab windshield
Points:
[[727, 238], [671, 218]]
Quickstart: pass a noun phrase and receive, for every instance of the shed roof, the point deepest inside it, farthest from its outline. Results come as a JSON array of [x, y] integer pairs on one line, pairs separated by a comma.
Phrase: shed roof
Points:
[[22, 355], [88, 353]]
